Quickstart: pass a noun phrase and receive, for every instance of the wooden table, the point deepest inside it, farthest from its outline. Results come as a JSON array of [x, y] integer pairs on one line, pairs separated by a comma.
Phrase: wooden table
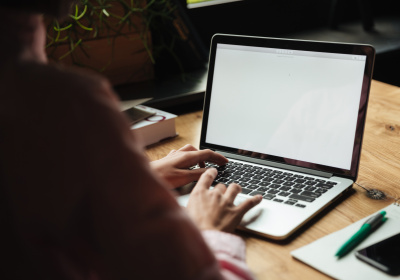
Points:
[[379, 168]]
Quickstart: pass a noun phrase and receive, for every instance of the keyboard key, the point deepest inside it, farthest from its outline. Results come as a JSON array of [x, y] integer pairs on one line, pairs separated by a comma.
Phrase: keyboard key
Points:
[[277, 181], [290, 179], [269, 196], [290, 202], [324, 185], [268, 179], [302, 197], [247, 175], [300, 181], [295, 190], [300, 205], [310, 183], [310, 194], [288, 184], [320, 181], [278, 200], [236, 177], [262, 189], [275, 186], [264, 184], [255, 182], [273, 191], [284, 194], [245, 191], [241, 181], [309, 188], [284, 188], [253, 193], [321, 190]]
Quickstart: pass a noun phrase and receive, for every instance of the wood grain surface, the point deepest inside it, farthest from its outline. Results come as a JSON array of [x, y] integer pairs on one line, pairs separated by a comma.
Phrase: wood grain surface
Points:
[[379, 169]]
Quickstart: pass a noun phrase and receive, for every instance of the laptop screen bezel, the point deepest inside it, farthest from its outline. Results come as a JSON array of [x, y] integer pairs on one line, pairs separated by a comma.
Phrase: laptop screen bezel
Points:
[[303, 45]]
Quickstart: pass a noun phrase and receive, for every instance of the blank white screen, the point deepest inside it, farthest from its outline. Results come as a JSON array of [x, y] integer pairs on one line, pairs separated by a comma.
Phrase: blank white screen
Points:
[[300, 105]]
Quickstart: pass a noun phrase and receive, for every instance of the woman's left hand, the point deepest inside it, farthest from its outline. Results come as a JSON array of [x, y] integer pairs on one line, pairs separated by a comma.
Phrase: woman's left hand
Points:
[[174, 168]]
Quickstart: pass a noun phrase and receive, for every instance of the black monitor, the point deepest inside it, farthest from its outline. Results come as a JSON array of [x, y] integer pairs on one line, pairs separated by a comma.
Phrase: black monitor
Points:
[[181, 77], [204, 18], [254, 17]]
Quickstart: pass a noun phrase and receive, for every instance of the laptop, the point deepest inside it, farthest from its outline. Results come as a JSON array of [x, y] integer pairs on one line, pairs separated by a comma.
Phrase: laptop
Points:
[[289, 115]]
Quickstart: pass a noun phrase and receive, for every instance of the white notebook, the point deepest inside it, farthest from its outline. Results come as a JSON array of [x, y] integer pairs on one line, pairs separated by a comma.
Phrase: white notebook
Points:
[[320, 254]]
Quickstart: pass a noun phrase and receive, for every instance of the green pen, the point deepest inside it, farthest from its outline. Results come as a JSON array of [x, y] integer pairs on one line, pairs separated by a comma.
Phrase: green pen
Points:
[[370, 225]]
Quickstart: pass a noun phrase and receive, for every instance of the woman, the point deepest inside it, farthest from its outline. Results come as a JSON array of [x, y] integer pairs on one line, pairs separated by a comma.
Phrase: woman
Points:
[[79, 199]]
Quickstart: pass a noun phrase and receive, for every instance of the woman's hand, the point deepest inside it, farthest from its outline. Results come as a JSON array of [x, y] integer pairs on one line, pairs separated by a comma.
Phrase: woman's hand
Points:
[[214, 209], [174, 168]]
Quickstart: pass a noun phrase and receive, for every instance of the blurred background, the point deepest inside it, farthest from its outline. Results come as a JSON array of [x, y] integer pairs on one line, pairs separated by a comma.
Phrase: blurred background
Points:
[[159, 48]]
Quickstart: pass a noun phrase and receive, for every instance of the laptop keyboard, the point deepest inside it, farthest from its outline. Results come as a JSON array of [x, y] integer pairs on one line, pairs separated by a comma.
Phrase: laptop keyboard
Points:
[[276, 185]]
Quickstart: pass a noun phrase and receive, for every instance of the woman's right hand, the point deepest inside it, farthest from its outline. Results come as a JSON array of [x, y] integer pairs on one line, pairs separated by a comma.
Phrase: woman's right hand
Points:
[[214, 209]]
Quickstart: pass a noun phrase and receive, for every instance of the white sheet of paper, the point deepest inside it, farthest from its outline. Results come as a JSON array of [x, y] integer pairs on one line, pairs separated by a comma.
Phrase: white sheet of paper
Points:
[[320, 254]]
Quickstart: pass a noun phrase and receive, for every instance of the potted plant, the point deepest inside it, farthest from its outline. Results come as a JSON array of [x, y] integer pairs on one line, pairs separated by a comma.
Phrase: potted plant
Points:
[[109, 36]]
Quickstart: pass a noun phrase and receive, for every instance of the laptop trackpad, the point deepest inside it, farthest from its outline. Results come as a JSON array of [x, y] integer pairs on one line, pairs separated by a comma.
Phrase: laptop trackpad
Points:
[[250, 215]]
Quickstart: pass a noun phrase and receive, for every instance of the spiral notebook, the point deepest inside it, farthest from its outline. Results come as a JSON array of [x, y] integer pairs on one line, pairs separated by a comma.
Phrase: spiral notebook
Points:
[[320, 254]]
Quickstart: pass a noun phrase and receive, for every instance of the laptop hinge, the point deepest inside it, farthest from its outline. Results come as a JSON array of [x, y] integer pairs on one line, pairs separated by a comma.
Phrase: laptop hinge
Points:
[[278, 165]]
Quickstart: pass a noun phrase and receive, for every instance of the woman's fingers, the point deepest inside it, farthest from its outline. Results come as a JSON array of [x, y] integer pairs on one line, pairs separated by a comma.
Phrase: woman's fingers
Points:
[[232, 191], [206, 179], [196, 157], [188, 147], [220, 188]]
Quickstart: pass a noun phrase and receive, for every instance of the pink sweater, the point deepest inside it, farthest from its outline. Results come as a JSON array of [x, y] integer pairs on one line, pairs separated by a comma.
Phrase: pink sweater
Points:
[[230, 252], [79, 198]]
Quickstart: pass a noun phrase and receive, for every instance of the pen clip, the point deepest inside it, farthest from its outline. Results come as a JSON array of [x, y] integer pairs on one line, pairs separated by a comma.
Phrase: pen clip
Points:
[[376, 220]]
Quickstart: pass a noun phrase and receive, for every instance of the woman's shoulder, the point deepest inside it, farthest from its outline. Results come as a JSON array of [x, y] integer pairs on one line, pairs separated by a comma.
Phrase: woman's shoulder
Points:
[[75, 78]]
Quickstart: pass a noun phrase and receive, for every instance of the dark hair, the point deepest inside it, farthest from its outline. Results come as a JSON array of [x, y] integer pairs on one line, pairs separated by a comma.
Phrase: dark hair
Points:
[[56, 8]]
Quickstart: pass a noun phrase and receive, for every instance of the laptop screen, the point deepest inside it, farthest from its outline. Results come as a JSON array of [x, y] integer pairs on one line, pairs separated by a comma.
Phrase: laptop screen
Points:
[[294, 105]]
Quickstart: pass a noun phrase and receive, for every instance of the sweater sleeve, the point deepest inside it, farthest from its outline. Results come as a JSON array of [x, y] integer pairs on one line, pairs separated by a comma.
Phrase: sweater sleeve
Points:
[[230, 251]]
